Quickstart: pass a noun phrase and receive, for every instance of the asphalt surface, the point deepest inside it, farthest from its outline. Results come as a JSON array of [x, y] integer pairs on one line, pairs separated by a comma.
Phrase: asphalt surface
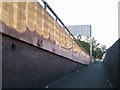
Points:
[[93, 76]]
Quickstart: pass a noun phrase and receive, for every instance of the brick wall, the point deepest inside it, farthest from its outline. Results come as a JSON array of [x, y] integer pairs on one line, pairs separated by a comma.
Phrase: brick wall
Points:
[[26, 66]]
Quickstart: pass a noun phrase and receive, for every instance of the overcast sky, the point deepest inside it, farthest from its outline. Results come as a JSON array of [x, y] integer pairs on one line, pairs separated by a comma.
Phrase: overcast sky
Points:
[[101, 14]]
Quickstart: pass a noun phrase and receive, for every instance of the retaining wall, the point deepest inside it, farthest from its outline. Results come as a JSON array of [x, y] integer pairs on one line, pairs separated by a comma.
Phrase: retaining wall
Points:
[[27, 66], [111, 62]]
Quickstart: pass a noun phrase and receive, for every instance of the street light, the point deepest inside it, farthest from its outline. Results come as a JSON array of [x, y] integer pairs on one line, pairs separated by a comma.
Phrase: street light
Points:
[[90, 45]]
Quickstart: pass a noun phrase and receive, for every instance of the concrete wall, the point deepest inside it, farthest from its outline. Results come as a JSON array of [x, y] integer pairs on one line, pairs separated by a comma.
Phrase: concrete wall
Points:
[[111, 63], [26, 66]]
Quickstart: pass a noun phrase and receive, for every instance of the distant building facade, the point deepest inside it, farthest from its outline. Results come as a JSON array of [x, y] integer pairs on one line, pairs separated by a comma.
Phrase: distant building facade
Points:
[[81, 32]]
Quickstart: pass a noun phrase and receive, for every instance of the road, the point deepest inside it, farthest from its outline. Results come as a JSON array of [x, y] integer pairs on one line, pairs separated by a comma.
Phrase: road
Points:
[[93, 76]]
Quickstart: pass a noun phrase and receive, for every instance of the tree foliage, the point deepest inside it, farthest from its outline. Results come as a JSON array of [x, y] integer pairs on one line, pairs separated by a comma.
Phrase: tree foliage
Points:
[[99, 53], [97, 50], [85, 45]]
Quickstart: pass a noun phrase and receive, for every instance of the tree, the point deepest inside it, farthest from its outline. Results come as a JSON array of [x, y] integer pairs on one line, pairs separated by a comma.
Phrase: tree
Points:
[[85, 45], [94, 43], [97, 52], [94, 46], [104, 48]]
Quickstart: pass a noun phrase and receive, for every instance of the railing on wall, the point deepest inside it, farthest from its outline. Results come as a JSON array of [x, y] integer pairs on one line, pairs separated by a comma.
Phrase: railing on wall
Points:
[[46, 5], [30, 22]]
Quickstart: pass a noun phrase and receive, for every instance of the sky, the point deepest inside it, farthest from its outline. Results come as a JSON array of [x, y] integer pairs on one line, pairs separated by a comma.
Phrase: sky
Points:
[[101, 14]]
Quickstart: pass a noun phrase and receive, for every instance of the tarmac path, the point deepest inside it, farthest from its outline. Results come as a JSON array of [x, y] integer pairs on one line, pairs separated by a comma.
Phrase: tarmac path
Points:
[[92, 76]]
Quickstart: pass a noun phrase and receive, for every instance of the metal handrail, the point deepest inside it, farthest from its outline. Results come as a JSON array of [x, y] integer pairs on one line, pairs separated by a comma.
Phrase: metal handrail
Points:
[[46, 5]]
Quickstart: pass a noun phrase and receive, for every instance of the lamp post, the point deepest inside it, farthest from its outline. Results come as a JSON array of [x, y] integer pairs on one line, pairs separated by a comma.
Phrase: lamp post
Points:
[[90, 45]]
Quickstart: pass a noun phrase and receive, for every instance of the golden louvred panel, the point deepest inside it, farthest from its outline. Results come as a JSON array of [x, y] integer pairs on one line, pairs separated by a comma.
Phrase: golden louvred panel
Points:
[[10, 12], [39, 22], [67, 40], [46, 26], [15, 16], [56, 30], [63, 38], [1, 4], [56, 33], [74, 46], [31, 13], [70, 42], [66, 37], [60, 32], [52, 30], [21, 17], [5, 13], [78, 49]]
